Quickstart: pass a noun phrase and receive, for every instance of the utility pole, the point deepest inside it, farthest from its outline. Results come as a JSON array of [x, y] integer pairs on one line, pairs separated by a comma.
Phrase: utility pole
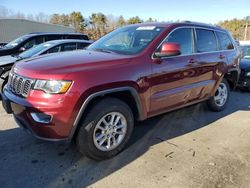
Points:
[[246, 28]]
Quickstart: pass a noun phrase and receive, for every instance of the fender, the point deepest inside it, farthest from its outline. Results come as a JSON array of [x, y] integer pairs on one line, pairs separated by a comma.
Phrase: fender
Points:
[[102, 93]]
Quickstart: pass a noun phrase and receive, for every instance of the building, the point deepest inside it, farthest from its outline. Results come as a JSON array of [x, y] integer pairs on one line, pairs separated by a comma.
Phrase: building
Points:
[[11, 29]]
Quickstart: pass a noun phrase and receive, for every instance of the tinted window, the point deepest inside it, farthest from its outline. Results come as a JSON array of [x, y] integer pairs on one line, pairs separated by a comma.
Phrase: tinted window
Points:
[[39, 40], [224, 41], [82, 45], [69, 47], [53, 37], [33, 42], [54, 50], [206, 41], [84, 37], [184, 37]]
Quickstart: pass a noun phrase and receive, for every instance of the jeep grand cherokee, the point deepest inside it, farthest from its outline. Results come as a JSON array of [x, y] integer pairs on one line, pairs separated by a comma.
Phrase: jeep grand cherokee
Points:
[[132, 73]]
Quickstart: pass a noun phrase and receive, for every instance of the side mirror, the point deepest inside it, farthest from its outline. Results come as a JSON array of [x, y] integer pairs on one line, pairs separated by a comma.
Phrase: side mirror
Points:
[[169, 49]]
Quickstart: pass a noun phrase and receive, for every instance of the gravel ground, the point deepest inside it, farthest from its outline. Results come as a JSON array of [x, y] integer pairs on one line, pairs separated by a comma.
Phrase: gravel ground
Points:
[[191, 147]]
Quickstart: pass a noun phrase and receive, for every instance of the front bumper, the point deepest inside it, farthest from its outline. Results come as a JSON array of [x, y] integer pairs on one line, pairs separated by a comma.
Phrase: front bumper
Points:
[[58, 129]]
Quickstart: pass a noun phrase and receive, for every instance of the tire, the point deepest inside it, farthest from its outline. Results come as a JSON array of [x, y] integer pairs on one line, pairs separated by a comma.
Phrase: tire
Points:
[[219, 101], [94, 129]]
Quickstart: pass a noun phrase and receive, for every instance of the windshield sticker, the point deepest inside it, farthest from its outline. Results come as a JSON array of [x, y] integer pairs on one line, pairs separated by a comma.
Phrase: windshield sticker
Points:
[[148, 28]]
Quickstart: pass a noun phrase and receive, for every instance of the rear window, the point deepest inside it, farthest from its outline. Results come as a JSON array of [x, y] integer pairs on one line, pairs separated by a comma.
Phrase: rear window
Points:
[[225, 42], [206, 41]]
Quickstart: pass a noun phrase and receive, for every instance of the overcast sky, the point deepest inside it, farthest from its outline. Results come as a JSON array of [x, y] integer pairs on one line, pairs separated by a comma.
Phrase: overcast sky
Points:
[[209, 11]]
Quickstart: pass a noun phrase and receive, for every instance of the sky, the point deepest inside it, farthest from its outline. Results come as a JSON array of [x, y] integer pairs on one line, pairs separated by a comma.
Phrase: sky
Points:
[[208, 11]]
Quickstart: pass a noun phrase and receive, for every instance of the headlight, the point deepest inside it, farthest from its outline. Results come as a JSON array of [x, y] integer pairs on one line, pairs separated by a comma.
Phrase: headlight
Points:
[[248, 74], [52, 86]]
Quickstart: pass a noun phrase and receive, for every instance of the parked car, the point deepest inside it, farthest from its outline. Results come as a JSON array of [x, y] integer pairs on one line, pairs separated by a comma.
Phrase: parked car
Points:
[[133, 73], [244, 81], [28, 41], [6, 62]]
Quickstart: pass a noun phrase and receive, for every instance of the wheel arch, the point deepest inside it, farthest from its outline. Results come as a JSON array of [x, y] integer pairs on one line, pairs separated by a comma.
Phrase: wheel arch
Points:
[[129, 95]]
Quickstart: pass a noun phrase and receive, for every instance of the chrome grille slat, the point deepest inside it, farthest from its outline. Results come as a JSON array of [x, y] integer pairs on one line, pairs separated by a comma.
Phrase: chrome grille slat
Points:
[[20, 85]]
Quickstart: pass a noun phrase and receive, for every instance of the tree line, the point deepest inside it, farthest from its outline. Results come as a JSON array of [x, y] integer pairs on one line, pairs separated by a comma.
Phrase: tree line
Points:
[[98, 24]]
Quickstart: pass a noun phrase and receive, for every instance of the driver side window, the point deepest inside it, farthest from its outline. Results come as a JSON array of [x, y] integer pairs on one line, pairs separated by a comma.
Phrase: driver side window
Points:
[[183, 36]]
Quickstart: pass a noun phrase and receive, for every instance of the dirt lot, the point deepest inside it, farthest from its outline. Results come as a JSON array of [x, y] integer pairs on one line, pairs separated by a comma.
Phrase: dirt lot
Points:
[[191, 147]]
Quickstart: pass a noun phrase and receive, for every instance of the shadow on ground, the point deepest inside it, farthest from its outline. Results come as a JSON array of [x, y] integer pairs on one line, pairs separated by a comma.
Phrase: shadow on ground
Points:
[[26, 162]]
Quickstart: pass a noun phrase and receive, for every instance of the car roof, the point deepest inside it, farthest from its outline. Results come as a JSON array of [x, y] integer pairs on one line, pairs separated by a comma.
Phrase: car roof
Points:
[[61, 41], [176, 24], [54, 33]]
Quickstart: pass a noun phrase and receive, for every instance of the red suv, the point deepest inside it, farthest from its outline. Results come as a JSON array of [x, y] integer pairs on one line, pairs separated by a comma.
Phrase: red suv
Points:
[[133, 73]]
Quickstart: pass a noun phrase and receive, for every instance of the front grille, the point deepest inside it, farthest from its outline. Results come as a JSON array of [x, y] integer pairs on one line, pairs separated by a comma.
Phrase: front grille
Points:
[[20, 85]]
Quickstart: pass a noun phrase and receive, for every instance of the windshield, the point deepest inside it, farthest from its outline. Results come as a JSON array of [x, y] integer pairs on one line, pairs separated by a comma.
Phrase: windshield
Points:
[[128, 40], [33, 51], [245, 52], [16, 42]]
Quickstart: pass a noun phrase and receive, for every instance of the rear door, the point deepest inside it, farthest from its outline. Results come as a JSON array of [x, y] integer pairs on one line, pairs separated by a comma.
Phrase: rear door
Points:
[[211, 57]]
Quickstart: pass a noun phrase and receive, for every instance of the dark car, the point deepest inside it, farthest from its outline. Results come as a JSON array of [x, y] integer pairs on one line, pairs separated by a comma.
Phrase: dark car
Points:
[[136, 72], [244, 81], [6, 62], [28, 41]]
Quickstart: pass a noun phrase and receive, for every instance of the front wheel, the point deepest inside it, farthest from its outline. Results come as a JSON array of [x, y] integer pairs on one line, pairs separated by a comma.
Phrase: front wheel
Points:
[[106, 129], [219, 101]]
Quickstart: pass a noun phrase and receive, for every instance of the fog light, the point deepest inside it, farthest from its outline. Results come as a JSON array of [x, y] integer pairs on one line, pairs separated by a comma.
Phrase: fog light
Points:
[[41, 117]]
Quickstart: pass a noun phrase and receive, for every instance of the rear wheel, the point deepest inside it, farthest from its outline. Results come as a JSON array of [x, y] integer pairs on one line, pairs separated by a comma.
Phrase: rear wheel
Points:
[[106, 129], [219, 101]]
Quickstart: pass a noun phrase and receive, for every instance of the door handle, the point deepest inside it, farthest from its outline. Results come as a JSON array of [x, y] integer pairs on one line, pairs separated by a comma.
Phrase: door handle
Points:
[[222, 56], [192, 61]]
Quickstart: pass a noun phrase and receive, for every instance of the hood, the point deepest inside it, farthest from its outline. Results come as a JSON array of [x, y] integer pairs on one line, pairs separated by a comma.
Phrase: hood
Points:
[[5, 60], [68, 62], [245, 64]]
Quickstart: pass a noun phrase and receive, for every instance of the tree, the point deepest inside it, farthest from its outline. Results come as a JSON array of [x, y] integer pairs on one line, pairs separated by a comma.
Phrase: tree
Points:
[[134, 20], [77, 21], [121, 21], [60, 19], [235, 26], [99, 23], [151, 20]]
